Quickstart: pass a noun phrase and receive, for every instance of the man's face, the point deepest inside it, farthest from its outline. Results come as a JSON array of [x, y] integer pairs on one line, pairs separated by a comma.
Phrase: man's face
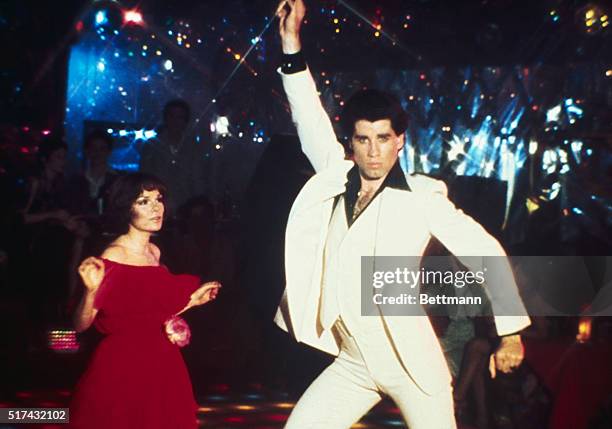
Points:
[[376, 147]]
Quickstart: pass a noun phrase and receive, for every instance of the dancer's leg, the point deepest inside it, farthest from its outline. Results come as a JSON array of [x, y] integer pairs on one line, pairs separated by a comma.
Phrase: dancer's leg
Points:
[[337, 399], [423, 411]]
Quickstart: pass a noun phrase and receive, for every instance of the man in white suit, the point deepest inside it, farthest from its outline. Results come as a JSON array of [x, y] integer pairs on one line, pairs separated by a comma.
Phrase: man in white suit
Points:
[[368, 207]]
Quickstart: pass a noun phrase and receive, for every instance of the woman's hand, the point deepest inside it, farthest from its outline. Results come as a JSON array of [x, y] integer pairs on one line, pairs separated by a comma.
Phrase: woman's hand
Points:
[[91, 271], [206, 293]]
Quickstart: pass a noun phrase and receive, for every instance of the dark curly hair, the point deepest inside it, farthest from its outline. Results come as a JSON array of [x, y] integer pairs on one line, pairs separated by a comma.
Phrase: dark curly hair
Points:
[[121, 197]]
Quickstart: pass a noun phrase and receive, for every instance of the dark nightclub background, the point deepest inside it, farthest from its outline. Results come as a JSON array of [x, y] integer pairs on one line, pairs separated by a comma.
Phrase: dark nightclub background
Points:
[[510, 103]]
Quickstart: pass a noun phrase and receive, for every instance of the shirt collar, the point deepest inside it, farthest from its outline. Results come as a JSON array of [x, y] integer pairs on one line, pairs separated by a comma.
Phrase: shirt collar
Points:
[[395, 179]]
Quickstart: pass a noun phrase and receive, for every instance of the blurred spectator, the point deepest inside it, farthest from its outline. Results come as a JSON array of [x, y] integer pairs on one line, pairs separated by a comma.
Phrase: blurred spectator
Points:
[[87, 190], [45, 196], [467, 336], [50, 234], [176, 158], [88, 187]]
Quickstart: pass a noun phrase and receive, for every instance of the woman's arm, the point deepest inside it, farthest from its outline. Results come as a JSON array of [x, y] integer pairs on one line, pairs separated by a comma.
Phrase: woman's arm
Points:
[[91, 271], [85, 312], [205, 293]]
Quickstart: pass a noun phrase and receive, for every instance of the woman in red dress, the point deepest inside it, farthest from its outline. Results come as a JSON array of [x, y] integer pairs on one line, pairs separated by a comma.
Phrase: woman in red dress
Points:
[[136, 377]]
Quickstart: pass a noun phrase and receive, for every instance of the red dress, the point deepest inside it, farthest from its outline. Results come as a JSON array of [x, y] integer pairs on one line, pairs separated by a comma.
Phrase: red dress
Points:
[[136, 377]]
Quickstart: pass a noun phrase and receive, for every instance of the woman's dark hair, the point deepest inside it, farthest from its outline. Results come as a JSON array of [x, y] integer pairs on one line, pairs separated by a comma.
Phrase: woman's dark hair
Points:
[[98, 135], [373, 105], [121, 197]]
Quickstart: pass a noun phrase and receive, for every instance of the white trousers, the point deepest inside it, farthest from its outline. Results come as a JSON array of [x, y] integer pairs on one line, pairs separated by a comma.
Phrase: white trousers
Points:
[[364, 370]]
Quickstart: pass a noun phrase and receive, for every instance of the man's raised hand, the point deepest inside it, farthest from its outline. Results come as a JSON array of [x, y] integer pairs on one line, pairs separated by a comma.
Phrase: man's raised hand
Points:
[[291, 15]]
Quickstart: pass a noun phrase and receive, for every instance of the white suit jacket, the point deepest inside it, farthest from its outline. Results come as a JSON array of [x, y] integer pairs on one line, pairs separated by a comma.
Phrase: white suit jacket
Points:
[[406, 222]]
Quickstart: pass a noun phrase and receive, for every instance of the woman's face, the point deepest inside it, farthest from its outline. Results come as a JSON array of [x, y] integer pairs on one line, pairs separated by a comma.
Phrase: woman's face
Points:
[[148, 211]]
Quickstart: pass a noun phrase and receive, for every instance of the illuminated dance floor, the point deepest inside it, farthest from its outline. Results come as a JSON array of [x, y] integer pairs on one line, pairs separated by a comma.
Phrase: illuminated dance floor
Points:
[[222, 409]]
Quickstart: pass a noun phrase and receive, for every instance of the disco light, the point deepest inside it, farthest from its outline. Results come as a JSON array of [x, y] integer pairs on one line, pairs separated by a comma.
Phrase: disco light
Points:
[[101, 18], [221, 126], [592, 18], [133, 17], [63, 341]]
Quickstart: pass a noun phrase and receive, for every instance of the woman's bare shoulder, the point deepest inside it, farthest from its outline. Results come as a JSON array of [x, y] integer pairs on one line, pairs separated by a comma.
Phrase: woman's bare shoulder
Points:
[[115, 252]]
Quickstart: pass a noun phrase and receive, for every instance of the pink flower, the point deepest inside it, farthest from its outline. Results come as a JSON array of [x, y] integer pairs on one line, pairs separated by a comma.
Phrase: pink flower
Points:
[[178, 331]]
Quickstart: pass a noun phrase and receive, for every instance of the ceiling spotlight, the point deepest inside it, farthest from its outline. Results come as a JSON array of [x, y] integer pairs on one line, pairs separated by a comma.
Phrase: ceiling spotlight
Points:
[[221, 126], [133, 17], [592, 18]]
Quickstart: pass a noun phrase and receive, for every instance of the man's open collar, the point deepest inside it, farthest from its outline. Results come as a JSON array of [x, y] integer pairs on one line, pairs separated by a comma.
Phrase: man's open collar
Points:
[[395, 179]]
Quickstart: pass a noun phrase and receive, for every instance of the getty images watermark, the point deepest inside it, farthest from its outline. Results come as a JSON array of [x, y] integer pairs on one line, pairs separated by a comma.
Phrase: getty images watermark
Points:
[[476, 285], [427, 277]]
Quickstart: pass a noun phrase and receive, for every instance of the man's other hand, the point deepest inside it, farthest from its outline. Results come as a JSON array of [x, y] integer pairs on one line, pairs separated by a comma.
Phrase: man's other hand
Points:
[[508, 355]]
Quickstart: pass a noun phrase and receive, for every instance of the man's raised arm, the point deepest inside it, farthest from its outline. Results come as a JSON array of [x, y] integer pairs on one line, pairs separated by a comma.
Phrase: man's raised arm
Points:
[[319, 142]]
